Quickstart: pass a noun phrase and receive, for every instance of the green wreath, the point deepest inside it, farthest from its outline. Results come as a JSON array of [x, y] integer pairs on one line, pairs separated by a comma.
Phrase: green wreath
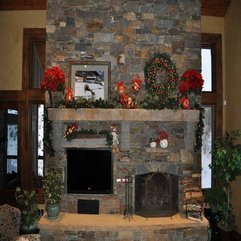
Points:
[[167, 89]]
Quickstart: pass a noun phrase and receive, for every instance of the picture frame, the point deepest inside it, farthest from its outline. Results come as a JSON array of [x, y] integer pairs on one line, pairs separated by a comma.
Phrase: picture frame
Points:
[[90, 79]]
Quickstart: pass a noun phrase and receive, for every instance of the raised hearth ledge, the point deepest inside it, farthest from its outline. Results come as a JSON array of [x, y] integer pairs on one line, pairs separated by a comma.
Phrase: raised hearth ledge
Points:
[[97, 114], [110, 222]]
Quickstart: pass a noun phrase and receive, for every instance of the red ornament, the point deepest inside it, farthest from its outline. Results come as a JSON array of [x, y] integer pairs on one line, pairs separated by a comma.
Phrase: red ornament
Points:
[[127, 102], [71, 129], [69, 94], [184, 102], [136, 83], [121, 88]]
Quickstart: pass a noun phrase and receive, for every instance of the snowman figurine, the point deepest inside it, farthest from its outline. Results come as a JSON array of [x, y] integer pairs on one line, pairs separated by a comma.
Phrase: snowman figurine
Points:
[[115, 145]]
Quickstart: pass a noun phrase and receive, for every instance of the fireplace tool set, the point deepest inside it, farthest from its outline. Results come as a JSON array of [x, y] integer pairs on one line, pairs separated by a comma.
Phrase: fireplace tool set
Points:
[[128, 212]]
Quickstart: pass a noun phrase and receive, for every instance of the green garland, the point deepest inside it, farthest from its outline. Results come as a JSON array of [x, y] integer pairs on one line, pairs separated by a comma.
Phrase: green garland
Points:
[[48, 129], [199, 130], [81, 102], [87, 133], [164, 93]]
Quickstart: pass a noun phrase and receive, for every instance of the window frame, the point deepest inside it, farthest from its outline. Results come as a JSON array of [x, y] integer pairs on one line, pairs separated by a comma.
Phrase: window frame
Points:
[[22, 101], [215, 97]]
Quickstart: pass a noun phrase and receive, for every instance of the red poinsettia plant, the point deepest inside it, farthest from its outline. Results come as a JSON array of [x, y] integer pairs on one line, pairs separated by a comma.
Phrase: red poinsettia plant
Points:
[[163, 135], [191, 81], [53, 79]]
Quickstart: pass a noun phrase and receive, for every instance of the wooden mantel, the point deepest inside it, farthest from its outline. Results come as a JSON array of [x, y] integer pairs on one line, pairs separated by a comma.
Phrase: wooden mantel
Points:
[[96, 114]]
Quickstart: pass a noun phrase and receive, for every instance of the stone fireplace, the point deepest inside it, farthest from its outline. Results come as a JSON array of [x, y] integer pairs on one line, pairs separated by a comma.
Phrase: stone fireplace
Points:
[[135, 31], [135, 128], [126, 33]]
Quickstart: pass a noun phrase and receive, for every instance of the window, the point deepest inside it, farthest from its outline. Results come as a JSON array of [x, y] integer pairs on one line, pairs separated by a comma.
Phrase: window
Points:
[[22, 114], [211, 99], [207, 69]]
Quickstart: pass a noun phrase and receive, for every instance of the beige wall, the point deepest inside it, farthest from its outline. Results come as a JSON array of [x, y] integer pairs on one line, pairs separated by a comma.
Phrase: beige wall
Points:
[[12, 24], [233, 86], [233, 66]]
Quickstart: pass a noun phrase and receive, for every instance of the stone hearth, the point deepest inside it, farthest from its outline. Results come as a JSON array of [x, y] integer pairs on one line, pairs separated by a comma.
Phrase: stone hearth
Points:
[[135, 128], [114, 228]]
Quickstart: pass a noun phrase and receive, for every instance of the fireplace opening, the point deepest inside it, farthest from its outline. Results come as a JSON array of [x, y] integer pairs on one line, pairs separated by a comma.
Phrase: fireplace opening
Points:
[[89, 171], [156, 194]]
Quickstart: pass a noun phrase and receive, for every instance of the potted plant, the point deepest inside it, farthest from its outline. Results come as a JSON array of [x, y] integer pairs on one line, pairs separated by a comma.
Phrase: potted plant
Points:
[[53, 190], [226, 166], [28, 204]]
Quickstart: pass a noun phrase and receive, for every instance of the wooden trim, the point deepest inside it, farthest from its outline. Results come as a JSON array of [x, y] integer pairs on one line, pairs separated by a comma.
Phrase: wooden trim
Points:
[[216, 96], [30, 37], [216, 8], [11, 96], [23, 5]]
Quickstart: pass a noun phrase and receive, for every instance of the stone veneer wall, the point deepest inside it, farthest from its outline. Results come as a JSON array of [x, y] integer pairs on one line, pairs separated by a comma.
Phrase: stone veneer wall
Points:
[[137, 29]]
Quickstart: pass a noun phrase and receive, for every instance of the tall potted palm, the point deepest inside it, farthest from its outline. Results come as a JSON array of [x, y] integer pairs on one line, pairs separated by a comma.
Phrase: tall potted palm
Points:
[[226, 166], [53, 190]]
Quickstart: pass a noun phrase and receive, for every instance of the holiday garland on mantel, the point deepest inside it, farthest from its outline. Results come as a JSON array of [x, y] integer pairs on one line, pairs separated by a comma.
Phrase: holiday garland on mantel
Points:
[[161, 83], [72, 132]]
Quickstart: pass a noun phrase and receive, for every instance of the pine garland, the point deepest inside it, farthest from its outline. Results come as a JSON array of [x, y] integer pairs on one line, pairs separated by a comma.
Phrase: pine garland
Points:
[[90, 132], [199, 130], [48, 129], [81, 102]]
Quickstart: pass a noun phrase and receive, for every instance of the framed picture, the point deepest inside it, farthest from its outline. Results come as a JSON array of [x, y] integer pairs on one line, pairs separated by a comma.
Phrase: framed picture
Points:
[[90, 79]]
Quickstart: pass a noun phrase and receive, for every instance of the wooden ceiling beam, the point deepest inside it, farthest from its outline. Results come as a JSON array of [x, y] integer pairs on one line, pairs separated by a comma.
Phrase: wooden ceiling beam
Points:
[[216, 8], [23, 5]]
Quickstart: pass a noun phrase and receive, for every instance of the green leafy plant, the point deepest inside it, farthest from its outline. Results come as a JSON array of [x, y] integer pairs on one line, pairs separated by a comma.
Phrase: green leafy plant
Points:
[[28, 204], [215, 198], [53, 186], [226, 166]]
